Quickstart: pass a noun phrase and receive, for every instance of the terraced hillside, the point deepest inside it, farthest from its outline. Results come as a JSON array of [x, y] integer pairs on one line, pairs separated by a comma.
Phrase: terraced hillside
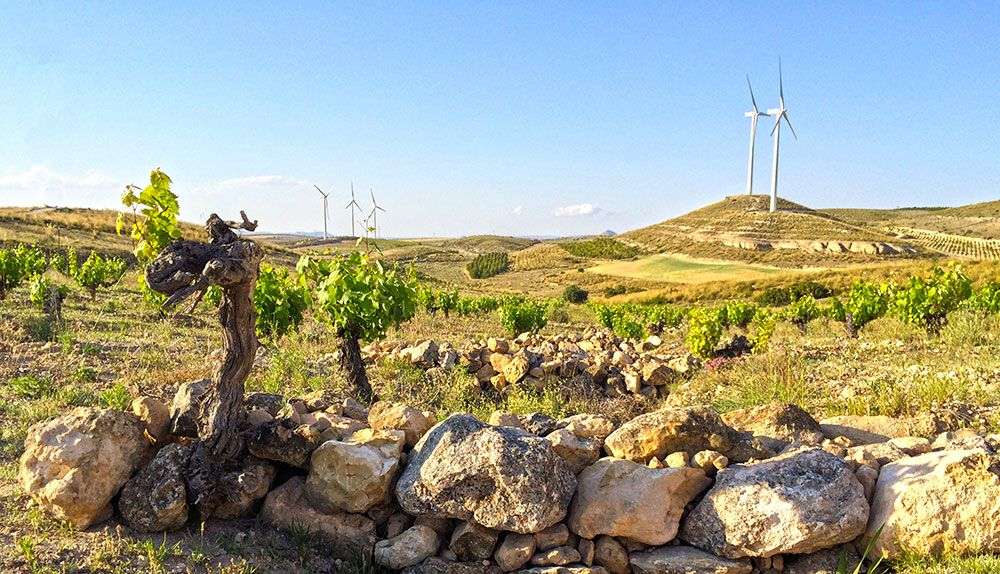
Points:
[[741, 228], [977, 220], [954, 245]]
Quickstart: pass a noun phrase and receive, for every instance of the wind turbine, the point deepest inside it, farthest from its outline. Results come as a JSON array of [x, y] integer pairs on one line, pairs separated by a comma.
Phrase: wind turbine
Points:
[[778, 113], [325, 209], [753, 114], [352, 205], [374, 212]]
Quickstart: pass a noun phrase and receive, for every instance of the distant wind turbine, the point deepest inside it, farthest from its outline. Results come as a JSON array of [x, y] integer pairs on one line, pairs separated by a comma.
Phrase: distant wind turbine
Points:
[[778, 113], [753, 114], [325, 209], [352, 205], [374, 212]]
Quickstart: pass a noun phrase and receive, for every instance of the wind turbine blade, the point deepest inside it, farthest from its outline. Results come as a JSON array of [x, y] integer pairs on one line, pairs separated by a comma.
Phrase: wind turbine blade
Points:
[[752, 99], [379, 207], [775, 128], [789, 122], [781, 83]]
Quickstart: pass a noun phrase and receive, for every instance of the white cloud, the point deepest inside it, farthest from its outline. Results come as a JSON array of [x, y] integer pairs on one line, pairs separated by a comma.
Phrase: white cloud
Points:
[[517, 210], [41, 185], [578, 210]]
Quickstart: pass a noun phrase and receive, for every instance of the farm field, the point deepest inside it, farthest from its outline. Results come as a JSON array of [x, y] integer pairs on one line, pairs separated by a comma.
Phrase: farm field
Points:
[[673, 268]]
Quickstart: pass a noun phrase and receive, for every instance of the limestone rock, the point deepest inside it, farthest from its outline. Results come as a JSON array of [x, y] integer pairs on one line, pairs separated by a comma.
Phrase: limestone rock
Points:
[[588, 426], [434, 565], [184, 408], [154, 414], [408, 549], [245, 486], [657, 374], [684, 560], [350, 476], [349, 535], [386, 415], [679, 429], [74, 464], [538, 424], [558, 556], [578, 452], [515, 551], [938, 503], [610, 554], [498, 477], [623, 498], [796, 503], [782, 421], [872, 429], [155, 499], [555, 535], [824, 561], [268, 402], [281, 440], [471, 541]]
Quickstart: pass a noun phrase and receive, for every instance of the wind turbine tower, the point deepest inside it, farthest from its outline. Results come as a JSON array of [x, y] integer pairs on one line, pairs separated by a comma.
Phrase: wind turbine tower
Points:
[[374, 213], [352, 205], [778, 114], [754, 115], [325, 209]]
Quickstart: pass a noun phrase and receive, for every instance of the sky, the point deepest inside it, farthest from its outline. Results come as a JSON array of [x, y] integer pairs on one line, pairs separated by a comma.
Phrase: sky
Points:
[[523, 118]]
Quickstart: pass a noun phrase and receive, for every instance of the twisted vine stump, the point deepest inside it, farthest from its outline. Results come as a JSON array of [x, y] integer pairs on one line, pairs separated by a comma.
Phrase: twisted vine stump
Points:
[[186, 268]]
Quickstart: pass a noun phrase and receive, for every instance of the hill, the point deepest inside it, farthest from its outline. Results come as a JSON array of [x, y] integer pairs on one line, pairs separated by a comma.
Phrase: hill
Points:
[[742, 228]]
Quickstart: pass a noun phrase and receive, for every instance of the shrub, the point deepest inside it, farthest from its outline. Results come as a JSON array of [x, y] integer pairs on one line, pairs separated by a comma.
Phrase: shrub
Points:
[[42, 289], [97, 271], [18, 264], [488, 264], [927, 302], [762, 328], [519, 315], [738, 313], [986, 299], [615, 290], [864, 303], [781, 296], [574, 294], [279, 301], [802, 311], [362, 299], [600, 248], [704, 331], [774, 297]]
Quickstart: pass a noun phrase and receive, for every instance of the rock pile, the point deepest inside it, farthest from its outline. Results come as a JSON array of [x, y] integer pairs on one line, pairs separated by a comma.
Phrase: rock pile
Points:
[[593, 359], [763, 490]]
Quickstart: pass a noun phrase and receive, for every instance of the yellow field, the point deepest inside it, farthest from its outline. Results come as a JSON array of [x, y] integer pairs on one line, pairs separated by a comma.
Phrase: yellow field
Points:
[[676, 268]]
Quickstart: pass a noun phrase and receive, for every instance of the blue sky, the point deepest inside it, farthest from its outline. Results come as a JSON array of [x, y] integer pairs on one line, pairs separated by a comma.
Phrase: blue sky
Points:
[[522, 118]]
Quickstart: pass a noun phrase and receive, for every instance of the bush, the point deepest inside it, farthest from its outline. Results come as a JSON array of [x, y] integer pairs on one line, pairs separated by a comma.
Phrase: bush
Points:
[[615, 290], [781, 296], [864, 303], [927, 302], [519, 315], [738, 313], [574, 294], [704, 331], [17, 265], [279, 301], [488, 264], [600, 248], [97, 271], [40, 291], [986, 299], [802, 311]]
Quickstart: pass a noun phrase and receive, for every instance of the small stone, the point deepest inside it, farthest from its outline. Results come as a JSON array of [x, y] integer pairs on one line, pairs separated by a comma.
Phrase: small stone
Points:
[[685, 560], [578, 452], [515, 551], [155, 499], [610, 554], [154, 414], [586, 549], [413, 546], [678, 459], [710, 461], [588, 426], [471, 541], [414, 423], [551, 537], [559, 556], [184, 408]]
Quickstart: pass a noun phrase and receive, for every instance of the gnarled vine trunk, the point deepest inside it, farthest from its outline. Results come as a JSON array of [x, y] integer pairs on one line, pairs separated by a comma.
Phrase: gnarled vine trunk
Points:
[[186, 268], [353, 365]]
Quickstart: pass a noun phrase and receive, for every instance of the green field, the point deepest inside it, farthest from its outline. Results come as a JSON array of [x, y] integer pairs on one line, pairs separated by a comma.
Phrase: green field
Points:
[[671, 268]]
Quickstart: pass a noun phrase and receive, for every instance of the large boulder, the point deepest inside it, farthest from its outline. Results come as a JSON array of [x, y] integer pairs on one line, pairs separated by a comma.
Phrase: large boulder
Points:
[[353, 476], [799, 502], [498, 477], [937, 503], [349, 535], [623, 498], [155, 499], [74, 464], [691, 430], [283, 440], [782, 421], [685, 560]]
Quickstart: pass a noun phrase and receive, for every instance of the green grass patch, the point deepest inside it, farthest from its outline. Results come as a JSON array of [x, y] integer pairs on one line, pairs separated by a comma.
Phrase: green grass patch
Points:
[[600, 248]]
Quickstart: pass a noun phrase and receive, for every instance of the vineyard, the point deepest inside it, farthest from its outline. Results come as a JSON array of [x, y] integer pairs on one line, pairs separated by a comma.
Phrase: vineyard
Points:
[[354, 347], [955, 245]]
